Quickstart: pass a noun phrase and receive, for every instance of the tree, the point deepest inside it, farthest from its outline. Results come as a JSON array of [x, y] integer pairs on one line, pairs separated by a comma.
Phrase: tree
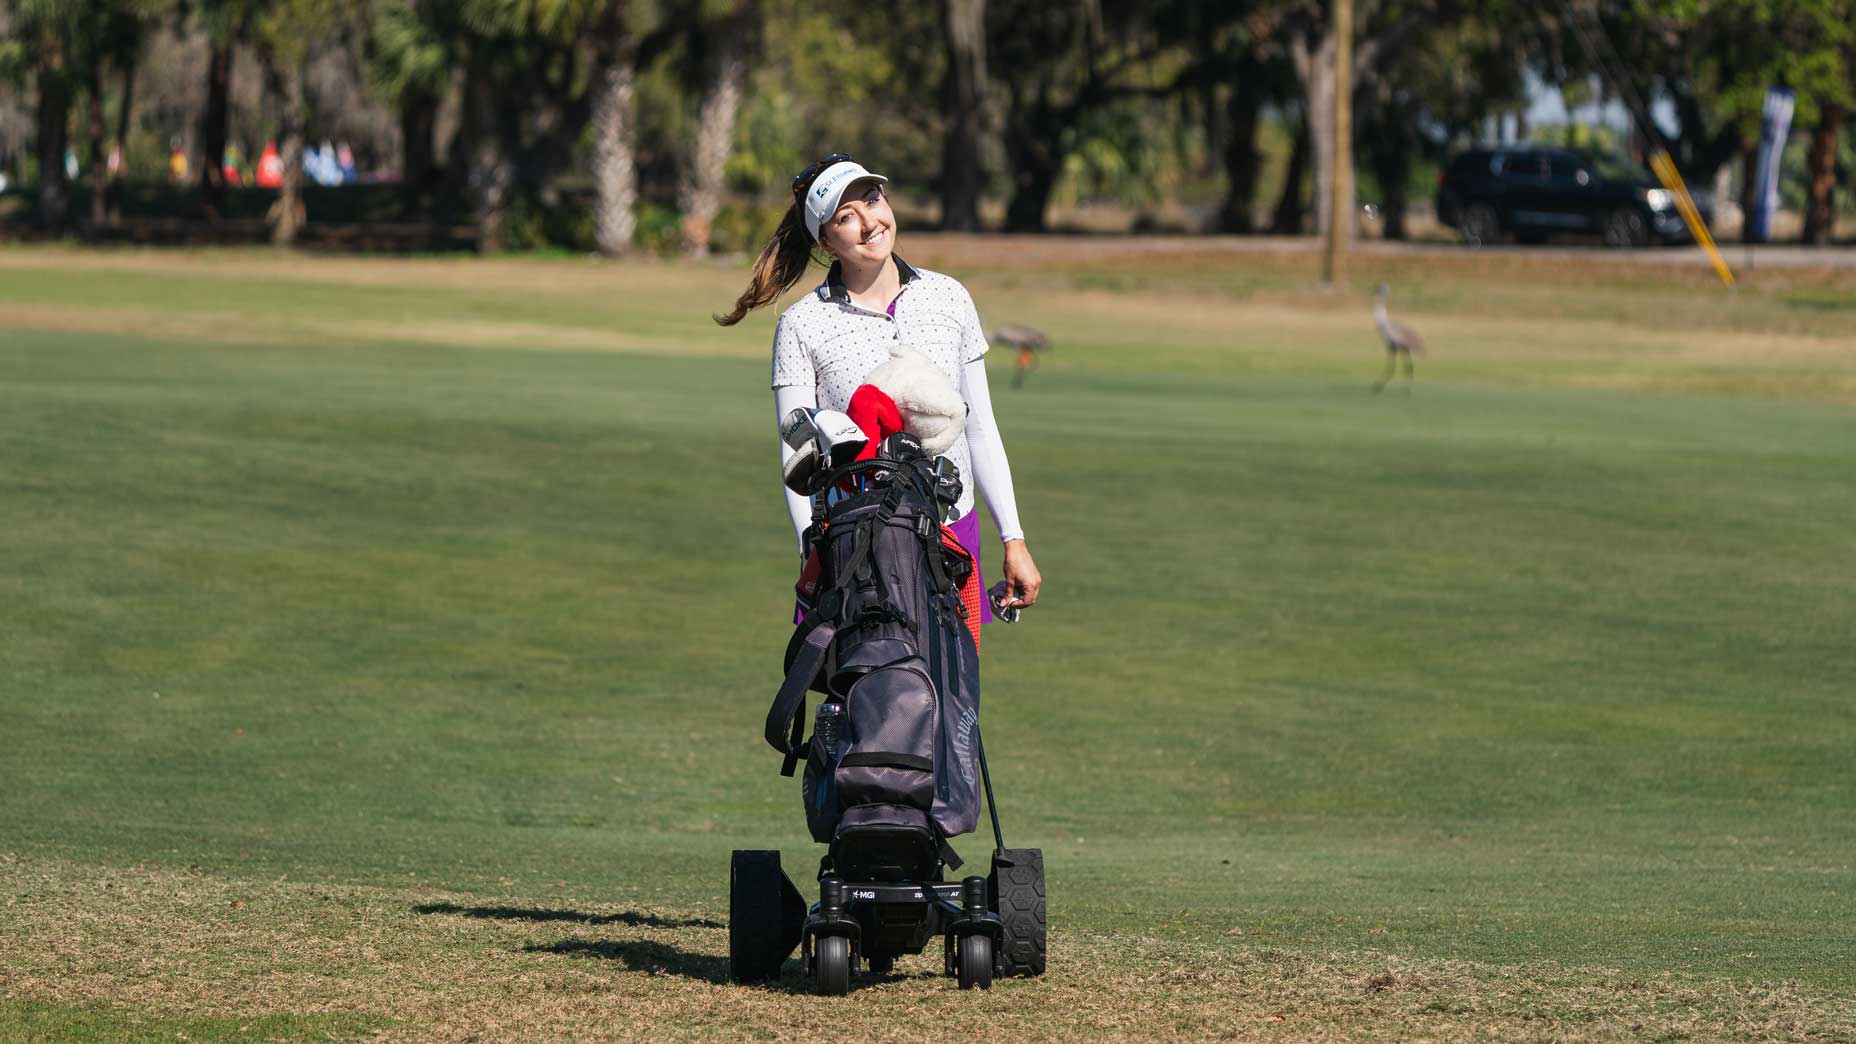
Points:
[[1715, 59], [286, 33], [535, 72], [1058, 62], [1834, 107], [1450, 74], [725, 44], [615, 164], [964, 89], [414, 50], [44, 37], [1820, 213], [226, 25], [1381, 30]]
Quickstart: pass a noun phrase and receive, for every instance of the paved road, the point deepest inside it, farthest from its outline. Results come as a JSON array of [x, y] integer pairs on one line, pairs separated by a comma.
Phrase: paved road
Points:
[[1738, 257], [1108, 245]]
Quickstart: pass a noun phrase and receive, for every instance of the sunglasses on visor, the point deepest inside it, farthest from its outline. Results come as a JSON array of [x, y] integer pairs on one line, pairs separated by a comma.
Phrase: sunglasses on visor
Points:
[[805, 176]]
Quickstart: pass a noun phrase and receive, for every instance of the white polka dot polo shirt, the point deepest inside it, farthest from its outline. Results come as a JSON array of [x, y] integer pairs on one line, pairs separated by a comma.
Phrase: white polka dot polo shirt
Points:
[[827, 343]]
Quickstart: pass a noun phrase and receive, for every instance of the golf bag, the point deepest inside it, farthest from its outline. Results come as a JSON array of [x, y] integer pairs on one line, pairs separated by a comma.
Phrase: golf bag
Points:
[[888, 639]]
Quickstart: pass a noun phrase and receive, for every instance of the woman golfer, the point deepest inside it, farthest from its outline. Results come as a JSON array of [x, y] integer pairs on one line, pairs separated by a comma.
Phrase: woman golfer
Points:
[[830, 339]]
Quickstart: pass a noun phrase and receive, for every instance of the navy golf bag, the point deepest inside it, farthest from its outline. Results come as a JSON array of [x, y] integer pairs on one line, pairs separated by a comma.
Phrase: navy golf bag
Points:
[[892, 768]]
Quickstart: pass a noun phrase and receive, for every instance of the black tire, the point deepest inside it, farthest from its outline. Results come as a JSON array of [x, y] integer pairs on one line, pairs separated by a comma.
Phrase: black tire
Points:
[[765, 915], [1016, 892], [882, 963], [975, 961], [1625, 227], [831, 965], [1480, 225]]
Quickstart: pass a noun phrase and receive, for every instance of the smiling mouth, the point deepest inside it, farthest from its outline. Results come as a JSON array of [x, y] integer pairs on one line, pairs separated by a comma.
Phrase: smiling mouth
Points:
[[874, 236]]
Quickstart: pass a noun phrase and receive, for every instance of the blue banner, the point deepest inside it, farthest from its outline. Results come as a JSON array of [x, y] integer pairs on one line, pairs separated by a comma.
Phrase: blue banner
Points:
[[1774, 126]]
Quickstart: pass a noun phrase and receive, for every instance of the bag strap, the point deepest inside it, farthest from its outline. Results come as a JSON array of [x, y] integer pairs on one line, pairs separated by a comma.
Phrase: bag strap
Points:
[[788, 710], [949, 856]]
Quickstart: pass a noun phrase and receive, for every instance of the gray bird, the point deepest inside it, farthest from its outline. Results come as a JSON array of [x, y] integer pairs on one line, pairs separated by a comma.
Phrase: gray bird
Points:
[[1401, 340], [1027, 342]]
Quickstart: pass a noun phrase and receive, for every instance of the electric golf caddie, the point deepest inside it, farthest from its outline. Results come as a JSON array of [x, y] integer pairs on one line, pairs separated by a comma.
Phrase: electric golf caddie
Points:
[[894, 766]]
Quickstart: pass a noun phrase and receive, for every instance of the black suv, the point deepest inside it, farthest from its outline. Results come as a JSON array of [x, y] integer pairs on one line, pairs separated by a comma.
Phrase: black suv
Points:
[[1536, 192]]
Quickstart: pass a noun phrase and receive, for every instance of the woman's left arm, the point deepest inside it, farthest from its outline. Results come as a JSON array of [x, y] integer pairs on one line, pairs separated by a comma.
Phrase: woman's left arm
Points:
[[994, 475]]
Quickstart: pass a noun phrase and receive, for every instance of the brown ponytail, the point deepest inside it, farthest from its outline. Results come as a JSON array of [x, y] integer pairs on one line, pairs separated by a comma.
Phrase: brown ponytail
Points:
[[780, 264]]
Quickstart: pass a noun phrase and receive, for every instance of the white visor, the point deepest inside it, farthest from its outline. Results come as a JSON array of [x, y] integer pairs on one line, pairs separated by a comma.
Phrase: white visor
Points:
[[826, 190]]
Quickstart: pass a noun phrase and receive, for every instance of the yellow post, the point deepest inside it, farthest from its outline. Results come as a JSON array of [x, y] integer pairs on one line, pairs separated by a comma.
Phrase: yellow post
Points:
[[1665, 170]]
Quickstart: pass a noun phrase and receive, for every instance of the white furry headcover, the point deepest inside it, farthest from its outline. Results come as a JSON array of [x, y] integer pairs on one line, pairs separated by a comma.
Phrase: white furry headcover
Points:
[[932, 409]]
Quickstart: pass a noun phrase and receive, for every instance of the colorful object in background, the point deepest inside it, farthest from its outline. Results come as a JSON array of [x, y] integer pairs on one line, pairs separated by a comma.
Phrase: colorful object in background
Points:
[[344, 158], [177, 165], [70, 163], [229, 165], [270, 167], [321, 165], [1775, 126]]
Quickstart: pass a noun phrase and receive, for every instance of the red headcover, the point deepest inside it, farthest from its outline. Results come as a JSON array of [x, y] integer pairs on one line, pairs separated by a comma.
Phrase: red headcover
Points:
[[876, 413]]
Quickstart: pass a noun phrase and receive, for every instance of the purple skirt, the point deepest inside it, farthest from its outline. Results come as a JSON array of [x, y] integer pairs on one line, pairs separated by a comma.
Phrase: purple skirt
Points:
[[967, 531]]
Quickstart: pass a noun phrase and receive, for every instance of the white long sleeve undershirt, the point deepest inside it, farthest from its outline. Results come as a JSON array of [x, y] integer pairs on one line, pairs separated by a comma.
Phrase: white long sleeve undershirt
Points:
[[984, 446]]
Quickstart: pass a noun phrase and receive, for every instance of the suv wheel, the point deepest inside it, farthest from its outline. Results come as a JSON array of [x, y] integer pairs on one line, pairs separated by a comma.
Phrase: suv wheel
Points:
[[1479, 225], [1624, 227]]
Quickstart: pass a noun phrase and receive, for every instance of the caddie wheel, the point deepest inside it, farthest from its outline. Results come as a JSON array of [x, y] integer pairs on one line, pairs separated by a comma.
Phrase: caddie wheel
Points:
[[976, 962], [831, 957], [1015, 891], [761, 928], [882, 963]]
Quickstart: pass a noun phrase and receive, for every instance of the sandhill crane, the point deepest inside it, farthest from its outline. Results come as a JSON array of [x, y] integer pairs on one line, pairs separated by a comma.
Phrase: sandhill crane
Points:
[[1401, 340], [1028, 342]]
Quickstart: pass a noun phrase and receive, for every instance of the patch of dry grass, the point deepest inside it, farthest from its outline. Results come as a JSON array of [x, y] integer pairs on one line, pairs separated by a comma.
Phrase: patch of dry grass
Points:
[[175, 943]]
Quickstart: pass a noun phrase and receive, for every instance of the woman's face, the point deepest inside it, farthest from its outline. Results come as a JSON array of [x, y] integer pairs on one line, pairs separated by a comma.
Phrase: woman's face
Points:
[[863, 230]]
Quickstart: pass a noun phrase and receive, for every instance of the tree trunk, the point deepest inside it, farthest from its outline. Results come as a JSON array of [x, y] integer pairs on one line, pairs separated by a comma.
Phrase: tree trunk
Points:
[[1820, 213], [1722, 191], [1290, 210], [287, 215], [492, 174], [1316, 71], [1240, 159], [1390, 151], [99, 170], [122, 137], [1389, 141], [701, 192], [615, 164], [418, 148], [965, 92], [1033, 149], [213, 120], [461, 150], [1749, 188], [53, 134], [1034, 177]]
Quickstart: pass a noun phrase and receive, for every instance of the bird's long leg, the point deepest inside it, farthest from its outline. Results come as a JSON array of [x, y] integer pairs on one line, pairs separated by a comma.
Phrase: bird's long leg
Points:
[[1411, 374], [1391, 371]]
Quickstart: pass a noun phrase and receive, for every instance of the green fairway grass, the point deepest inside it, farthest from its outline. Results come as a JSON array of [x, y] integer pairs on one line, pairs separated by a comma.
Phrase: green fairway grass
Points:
[[333, 588]]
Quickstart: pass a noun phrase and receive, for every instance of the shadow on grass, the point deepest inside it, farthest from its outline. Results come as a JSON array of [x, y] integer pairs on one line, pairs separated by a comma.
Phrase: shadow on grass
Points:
[[661, 959], [518, 913]]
